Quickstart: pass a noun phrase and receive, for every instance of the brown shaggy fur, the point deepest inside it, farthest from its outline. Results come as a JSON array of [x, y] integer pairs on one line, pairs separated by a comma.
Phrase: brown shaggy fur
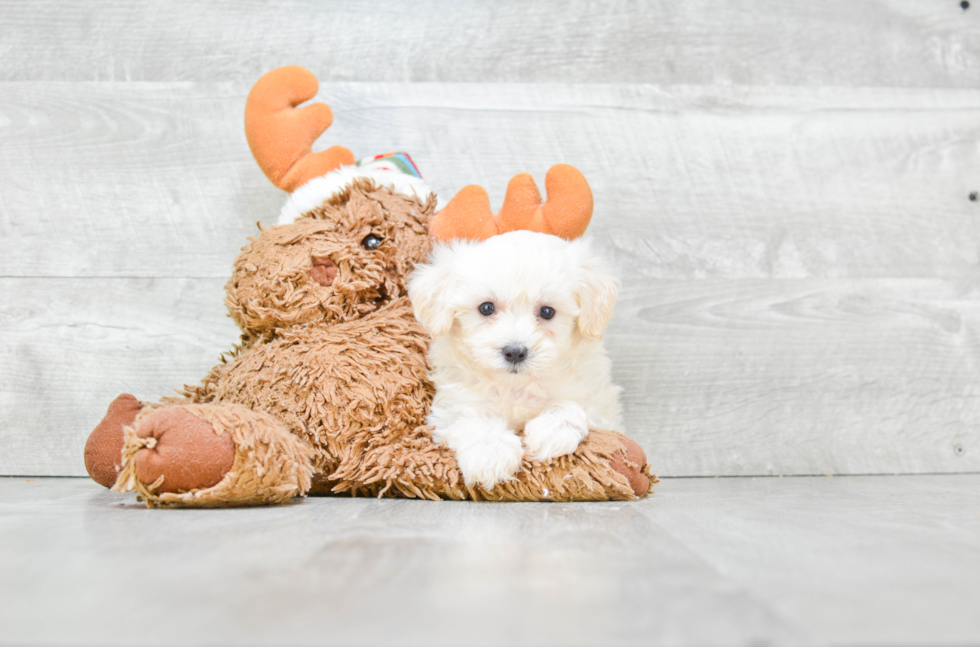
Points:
[[328, 389]]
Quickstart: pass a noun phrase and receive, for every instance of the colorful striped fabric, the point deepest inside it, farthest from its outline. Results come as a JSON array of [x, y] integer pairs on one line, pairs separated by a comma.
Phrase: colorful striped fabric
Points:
[[400, 162]]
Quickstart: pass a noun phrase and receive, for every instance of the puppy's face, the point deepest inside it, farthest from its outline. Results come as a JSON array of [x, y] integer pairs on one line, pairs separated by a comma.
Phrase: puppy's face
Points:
[[514, 304]]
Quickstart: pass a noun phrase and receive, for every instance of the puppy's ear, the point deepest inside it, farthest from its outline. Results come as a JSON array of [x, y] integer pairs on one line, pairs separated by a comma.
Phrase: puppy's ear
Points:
[[429, 288], [596, 292]]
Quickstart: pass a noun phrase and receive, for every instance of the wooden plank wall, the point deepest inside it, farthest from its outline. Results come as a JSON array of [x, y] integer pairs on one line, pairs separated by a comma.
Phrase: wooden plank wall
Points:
[[783, 186]]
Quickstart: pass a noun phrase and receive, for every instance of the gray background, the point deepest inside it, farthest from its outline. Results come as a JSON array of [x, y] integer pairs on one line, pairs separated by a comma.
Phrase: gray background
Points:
[[783, 186]]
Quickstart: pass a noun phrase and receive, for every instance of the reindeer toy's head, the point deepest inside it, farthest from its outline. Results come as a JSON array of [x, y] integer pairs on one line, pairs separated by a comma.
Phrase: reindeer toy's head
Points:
[[347, 237], [344, 259]]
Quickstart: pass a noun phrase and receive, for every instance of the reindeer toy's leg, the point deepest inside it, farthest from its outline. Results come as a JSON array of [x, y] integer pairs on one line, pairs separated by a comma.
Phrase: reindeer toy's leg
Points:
[[197, 455], [227, 455]]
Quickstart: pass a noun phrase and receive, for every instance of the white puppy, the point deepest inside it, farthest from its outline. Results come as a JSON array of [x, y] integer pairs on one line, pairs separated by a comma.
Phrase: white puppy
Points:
[[516, 324]]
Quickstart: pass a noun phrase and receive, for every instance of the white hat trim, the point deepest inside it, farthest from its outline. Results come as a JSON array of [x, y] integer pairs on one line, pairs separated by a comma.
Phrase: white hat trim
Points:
[[320, 189]]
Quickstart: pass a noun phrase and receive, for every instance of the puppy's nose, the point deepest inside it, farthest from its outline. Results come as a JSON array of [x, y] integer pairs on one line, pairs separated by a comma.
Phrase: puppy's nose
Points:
[[515, 353]]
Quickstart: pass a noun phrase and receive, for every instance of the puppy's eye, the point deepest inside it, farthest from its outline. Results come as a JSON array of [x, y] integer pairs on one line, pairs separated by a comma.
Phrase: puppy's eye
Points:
[[487, 309], [371, 242], [547, 312]]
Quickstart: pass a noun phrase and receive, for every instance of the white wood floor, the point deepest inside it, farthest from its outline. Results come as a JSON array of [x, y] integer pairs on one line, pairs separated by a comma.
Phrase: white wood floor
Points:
[[733, 561]]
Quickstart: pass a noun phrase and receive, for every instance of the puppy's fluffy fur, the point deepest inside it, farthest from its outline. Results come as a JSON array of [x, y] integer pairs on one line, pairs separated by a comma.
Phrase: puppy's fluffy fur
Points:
[[558, 391]]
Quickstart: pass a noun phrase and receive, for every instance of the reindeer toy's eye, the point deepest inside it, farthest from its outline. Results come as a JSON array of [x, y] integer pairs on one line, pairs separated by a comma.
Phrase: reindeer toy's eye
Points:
[[371, 242]]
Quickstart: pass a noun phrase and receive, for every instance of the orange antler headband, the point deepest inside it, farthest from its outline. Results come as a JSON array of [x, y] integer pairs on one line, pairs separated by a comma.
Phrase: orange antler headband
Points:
[[281, 135], [566, 212]]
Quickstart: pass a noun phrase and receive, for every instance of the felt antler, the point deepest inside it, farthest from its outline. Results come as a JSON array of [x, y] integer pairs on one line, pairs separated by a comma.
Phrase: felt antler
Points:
[[566, 212], [281, 135]]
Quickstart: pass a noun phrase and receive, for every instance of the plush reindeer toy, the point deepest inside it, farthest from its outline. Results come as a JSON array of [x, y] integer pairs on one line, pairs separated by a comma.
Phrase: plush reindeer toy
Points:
[[327, 393]]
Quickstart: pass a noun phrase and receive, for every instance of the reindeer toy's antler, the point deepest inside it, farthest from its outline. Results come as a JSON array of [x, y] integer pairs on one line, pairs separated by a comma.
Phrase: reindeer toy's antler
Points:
[[281, 135], [566, 212]]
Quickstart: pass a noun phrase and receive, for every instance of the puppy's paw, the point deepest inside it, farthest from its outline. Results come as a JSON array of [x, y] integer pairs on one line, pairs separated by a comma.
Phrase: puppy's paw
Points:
[[487, 452], [556, 432]]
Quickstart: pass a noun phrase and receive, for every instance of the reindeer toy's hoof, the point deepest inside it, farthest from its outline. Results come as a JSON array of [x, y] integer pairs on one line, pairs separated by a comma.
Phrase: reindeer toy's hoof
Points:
[[103, 450], [327, 390]]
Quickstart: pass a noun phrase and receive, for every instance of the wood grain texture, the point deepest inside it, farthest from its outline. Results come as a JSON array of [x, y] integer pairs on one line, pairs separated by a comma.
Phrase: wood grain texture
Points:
[[783, 187], [156, 180], [137, 180], [801, 376], [69, 343], [815, 561], [721, 377], [800, 266], [884, 43]]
